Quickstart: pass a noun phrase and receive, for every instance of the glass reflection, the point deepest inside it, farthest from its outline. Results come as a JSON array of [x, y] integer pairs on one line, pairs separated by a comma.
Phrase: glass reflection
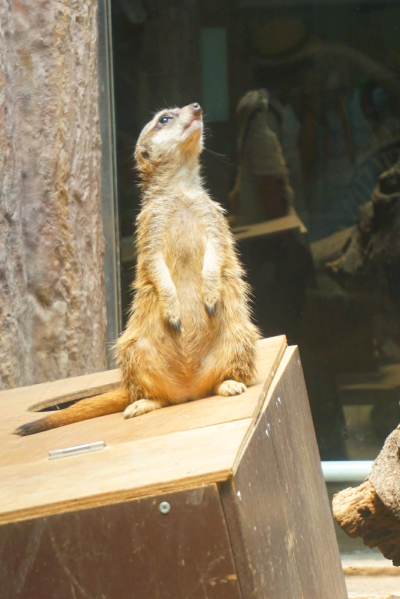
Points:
[[302, 103]]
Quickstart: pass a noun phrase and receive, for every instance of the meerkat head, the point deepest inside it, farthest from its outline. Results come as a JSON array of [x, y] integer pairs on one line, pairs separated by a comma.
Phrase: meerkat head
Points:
[[172, 140]]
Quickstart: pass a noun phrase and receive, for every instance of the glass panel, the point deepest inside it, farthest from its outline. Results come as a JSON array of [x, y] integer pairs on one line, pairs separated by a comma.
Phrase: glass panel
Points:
[[109, 202], [302, 107]]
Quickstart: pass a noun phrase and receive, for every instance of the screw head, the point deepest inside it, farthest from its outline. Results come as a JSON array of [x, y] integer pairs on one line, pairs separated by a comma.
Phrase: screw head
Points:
[[164, 507]]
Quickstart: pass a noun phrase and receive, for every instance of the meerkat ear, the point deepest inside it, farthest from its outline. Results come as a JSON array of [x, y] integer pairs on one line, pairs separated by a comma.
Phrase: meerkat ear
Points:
[[144, 165], [142, 157]]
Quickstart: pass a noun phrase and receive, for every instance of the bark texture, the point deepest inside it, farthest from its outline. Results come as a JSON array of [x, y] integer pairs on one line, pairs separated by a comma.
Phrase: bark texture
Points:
[[385, 475], [52, 296], [361, 513], [371, 511]]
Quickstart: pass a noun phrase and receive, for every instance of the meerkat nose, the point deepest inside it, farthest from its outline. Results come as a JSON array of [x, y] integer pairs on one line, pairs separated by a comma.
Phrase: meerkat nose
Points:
[[197, 108]]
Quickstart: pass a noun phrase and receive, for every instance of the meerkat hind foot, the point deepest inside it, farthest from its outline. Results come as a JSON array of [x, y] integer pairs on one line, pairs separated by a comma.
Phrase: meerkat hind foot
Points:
[[142, 406], [230, 388]]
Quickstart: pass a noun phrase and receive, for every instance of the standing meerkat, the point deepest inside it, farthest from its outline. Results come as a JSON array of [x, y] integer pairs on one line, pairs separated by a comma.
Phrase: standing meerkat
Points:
[[189, 334]]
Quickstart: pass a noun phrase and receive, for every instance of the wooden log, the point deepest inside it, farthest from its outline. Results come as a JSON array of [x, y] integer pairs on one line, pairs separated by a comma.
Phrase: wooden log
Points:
[[372, 510], [385, 475], [360, 513]]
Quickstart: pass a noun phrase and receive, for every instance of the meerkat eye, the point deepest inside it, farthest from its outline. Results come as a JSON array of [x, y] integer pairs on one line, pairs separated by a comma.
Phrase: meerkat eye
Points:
[[165, 119]]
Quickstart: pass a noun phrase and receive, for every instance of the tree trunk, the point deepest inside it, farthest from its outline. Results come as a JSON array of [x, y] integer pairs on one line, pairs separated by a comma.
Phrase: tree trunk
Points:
[[52, 296]]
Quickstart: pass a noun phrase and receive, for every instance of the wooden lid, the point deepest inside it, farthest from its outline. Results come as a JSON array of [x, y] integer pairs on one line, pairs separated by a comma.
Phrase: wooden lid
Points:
[[175, 447]]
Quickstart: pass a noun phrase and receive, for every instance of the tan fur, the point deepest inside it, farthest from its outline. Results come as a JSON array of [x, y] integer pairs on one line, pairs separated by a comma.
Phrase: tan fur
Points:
[[100, 405], [189, 333]]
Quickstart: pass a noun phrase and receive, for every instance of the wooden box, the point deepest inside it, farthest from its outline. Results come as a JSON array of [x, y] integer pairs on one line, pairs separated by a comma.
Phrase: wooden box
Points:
[[247, 515]]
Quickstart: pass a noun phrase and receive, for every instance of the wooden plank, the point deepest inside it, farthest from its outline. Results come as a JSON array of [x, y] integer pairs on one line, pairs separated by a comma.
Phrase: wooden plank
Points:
[[48, 394], [257, 524], [289, 421], [387, 378], [163, 439], [122, 551], [120, 472], [270, 227], [269, 357], [264, 400], [276, 505], [114, 429], [265, 364], [43, 395]]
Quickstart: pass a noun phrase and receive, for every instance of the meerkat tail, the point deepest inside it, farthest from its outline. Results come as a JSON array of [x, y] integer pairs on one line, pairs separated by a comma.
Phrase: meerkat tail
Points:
[[92, 407]]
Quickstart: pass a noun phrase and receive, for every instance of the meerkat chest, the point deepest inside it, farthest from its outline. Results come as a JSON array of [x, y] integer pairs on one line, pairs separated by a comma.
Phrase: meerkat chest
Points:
[[185, 236]]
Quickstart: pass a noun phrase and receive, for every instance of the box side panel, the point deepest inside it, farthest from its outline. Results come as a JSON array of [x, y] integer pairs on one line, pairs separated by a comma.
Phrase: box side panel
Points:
[[276, 507], [123, 550], [304, 490], [257, 524]]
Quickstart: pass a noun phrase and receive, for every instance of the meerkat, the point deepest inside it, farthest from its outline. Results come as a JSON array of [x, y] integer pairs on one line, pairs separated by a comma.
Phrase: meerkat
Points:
[[189, 334]]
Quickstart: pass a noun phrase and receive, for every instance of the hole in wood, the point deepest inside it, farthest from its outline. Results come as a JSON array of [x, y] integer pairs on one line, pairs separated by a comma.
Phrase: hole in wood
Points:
[[58, 406], [364, 512], [61, 402]]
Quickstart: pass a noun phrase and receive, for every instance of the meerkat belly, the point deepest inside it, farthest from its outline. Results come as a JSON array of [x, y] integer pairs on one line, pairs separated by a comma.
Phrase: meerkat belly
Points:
[[184, 248]]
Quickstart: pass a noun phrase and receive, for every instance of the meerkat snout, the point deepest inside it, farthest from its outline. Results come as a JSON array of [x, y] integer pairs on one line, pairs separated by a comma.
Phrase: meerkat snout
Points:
[[192, 121]]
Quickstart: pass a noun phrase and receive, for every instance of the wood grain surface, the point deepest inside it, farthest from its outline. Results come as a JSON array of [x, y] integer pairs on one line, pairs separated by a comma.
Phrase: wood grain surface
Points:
[[276, 506], [123, 551], [175, 447], [36, 397]]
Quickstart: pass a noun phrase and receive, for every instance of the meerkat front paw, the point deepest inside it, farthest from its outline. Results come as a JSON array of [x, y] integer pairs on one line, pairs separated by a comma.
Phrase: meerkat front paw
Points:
[[173, 318], [230, 388], [142, 406], [211, 298], [211, 301]]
